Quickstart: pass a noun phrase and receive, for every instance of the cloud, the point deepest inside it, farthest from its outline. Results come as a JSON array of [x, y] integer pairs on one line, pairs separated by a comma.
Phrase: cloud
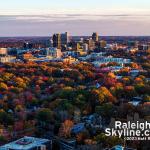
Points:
[[72, 17], [76, 24]]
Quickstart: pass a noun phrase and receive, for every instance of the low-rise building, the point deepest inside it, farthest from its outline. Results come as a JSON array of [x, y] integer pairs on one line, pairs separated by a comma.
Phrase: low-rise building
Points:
[[105, 60], [3, 51], [54, 52], [28, 143], [5, 59], [70, 60]]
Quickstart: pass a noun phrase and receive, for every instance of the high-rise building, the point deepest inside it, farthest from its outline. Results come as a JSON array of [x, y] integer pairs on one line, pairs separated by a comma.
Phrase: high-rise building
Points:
[[103, 44], [57, 41], [148, 45], [91, 44], [65, 38], [77, 46], [85, 47], [95, 37]]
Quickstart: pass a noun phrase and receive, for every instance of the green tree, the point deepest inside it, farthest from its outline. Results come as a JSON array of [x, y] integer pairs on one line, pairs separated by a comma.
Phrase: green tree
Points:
[[45, 116], [6, 118], [105, 110]]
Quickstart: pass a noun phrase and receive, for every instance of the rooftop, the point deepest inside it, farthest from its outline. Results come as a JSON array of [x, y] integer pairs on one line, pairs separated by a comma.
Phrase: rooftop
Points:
[[24, 143]]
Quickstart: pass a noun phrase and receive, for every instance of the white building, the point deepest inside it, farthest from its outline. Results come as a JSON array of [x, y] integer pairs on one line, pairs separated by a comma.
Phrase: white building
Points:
[[105, 60], [28, 143], [93, 55], [54, 52], [4, 59], [85, 47]]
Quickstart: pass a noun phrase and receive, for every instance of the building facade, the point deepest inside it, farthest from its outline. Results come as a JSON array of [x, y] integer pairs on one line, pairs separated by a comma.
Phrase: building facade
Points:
[[95, 37], [28, 143], [57, 40]]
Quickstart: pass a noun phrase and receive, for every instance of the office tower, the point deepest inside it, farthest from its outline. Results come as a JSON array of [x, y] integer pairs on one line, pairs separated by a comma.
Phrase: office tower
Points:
[[91, 44], [65, 38], [95, 37], [103, 44], [85, 47], [148, 45], [78, 47], [57, 41]]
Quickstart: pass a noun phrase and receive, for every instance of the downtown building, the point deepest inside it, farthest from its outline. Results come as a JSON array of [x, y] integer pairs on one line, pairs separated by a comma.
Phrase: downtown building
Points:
[[57, 40]]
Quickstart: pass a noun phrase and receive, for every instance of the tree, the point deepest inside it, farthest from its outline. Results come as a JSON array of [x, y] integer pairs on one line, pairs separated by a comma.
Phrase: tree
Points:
[[124, 72], [3, 86], [66, 105], [138, 80], [114, 140], [142, 89], [2, 139], [45, 116], [20, 82], [103, 95], [146, 98], [65, 129], [117, 90], [126, 81], [100, 138], [105, 110], [109, 141], [6, 118], [109, 82], [111, 75], [129, 92]]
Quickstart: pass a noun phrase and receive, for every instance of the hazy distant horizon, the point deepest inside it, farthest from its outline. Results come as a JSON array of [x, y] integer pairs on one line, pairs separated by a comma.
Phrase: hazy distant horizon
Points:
[[79, 17], [32, 36]]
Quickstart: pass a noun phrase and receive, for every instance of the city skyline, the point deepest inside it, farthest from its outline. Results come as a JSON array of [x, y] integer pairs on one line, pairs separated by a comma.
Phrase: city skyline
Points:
[[43, 18]]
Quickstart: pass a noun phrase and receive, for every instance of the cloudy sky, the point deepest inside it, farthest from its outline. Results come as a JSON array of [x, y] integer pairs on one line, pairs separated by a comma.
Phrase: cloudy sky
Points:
[[79, 17]]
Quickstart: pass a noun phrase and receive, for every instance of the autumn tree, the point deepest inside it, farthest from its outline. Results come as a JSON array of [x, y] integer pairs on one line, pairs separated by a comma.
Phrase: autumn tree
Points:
[[65, 129], [103, 95], [3, 86]]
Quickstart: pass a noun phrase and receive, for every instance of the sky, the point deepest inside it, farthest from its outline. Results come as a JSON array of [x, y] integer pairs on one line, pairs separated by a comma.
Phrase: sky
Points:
[[79, 17]]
